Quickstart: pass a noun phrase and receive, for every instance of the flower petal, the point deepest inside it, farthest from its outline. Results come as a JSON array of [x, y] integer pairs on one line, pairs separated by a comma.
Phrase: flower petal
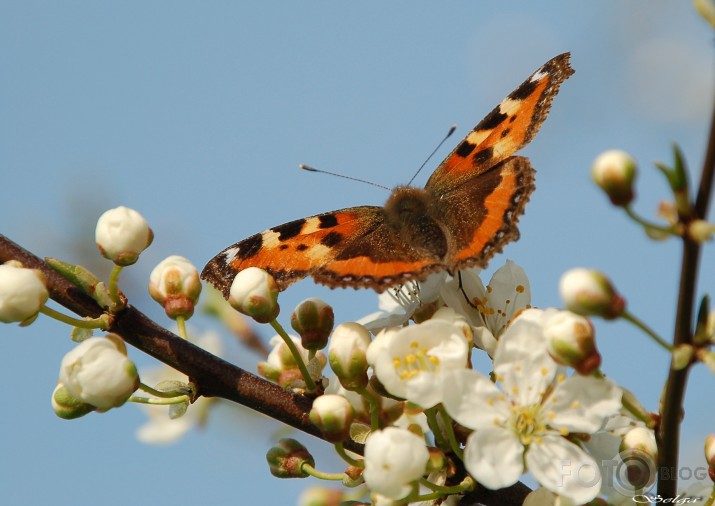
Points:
[[473, 287], [494, 457], [564, 468], [582, 404], [473, 400], [522, 362]]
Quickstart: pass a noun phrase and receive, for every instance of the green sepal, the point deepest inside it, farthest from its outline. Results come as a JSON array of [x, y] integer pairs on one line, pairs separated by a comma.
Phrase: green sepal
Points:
[[178, 410], [677, 177], [78, 275], [359, 432], [701, 325], [80, 334]]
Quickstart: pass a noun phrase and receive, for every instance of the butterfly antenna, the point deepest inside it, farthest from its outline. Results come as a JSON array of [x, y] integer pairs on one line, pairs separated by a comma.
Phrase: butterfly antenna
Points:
[[451, 131], [313, 169]]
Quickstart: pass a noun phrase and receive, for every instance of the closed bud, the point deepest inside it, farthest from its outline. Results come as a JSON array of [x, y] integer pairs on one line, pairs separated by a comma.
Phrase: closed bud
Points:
[[701, 231], [710, 455], [614, 171], [281, 365], [639, 453], [122, 234], [332, 414], [175, 284], [67, 407], [287, 458], [313, 320], [571, 342], [254, 293], [22, 293], [347, 355], [589, 292], [98, 372], [682, 356]]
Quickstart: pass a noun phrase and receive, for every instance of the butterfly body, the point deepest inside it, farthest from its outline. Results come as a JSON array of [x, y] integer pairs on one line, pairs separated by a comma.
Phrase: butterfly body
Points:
[[466, 213]]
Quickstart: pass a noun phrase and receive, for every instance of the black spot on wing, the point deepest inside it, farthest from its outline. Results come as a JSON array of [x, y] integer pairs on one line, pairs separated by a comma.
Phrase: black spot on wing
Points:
[[332, 239], [302, 247], [249, 247], [327, 221], [492, 120], [288, 230], [505, 132], [465, 148], [283, 247], [523, 91], [483, 156]]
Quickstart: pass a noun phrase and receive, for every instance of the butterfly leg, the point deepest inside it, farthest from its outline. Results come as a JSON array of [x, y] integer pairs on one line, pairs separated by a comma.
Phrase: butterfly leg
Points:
[[461, 289]]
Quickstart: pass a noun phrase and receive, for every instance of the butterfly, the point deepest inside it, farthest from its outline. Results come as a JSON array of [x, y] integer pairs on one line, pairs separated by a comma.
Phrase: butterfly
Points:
[[466, 213]]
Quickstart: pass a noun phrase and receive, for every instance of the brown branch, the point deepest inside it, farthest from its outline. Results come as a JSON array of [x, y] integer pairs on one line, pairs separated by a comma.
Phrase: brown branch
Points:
[[674, 394], [214, 376]]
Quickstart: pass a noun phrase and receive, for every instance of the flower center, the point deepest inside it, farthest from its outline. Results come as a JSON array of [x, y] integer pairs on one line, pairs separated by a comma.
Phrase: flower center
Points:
[[497, 314], [527, 423], [415, 362]]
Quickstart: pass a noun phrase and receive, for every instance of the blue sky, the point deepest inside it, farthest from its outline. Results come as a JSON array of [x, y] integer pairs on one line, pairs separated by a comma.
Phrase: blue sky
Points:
[[198, 115]]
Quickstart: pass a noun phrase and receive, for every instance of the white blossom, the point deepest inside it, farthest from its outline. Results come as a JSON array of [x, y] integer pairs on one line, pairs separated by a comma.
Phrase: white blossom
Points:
[[523, 424], [490, 309], [414, 361], [398, 305]]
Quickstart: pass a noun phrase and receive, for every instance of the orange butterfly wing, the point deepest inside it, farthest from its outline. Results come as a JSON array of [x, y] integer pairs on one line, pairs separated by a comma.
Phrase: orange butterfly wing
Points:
[[350, 247], [466, 213], [480, 190], [506, 129]]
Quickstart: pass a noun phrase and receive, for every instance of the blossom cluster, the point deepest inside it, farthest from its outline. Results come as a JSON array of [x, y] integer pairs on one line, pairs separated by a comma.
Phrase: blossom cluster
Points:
[[405, 381], [406, 387]]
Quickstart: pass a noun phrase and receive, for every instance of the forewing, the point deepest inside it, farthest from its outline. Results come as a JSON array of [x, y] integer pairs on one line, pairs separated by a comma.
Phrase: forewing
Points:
[[351, 247], [506, 129]]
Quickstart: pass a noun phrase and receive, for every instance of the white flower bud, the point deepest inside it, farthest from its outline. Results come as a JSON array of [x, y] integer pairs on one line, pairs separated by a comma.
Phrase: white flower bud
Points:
[[588, 292], [22, 293], [710, 449], [394, 458], [614, 171], [122, 234], [98, 372], [639, 452], [571, 342], [332, 414], [701, 231], [254, 293], [347, 354], [175, 284]]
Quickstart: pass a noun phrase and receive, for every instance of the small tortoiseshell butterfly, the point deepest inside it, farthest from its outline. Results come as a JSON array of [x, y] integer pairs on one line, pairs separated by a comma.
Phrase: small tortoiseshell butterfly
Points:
[[467, 211]]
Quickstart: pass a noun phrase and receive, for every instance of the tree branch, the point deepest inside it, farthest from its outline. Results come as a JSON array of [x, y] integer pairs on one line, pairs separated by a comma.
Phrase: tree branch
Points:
[[674, 393], [214, 376]]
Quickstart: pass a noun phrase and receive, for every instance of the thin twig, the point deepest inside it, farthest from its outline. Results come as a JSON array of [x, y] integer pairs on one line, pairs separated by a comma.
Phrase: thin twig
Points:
[[674, 394]]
